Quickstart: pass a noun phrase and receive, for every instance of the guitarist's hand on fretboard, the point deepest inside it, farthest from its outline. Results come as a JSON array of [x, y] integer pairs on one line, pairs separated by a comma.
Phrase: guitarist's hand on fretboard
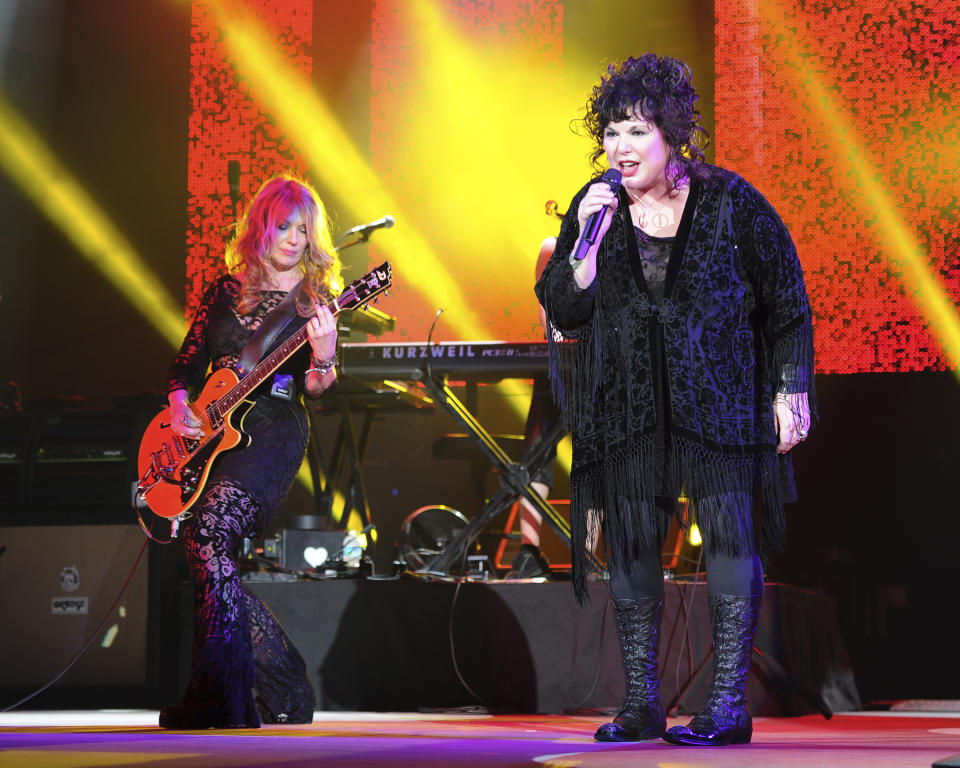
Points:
[[322, 333], [182, 420]]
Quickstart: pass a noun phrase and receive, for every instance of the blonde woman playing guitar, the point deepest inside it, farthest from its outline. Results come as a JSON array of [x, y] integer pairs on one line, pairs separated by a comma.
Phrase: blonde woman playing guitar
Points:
[[282, 244]]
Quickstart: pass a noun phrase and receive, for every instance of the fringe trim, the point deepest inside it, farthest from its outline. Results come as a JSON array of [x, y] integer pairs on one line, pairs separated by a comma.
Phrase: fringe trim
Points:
[[575, 368], [622, 493]]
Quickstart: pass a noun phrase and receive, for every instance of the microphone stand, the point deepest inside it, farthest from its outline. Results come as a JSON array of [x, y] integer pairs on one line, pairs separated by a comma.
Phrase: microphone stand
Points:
[[362, 237]]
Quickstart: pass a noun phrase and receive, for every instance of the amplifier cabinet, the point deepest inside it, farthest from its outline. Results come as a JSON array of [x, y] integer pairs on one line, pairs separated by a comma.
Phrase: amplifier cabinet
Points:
[[84, 458], [16, 433], [58, 582]]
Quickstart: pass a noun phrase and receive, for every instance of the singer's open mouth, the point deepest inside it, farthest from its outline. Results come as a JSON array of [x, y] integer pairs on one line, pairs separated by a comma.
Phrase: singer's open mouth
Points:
[[628, 167]]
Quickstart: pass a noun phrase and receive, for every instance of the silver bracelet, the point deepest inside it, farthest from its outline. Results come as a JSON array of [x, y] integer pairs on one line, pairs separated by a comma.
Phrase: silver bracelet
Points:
[[323, 367]]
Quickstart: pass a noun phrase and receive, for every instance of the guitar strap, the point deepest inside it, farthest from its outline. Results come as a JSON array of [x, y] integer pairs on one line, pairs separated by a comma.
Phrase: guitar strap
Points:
[[263, 338]]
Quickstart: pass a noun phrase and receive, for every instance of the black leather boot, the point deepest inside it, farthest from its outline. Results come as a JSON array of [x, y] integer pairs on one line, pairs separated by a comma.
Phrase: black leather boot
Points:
[[724, 719], [642, 716]]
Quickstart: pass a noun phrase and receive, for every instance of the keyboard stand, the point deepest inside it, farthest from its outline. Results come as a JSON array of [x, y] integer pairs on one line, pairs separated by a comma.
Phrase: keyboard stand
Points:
[[350, 446], [514, 482], [348, 451]]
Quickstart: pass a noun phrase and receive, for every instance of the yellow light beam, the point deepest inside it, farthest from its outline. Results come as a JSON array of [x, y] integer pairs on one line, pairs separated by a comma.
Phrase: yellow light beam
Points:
[[480, 100], [30, 163], [896, 240], [312, 127]]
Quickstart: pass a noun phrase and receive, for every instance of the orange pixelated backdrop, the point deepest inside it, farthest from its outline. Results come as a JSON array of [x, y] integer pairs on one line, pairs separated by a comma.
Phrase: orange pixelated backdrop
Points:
[[844, 114], [234, 143]]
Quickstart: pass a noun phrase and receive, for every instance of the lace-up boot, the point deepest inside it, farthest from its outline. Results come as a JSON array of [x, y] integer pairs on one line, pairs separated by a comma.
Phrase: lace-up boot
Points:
[[724, 719], [642, 716]]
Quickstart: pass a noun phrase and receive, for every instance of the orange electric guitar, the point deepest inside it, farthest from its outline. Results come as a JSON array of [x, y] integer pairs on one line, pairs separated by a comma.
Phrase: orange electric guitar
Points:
[[174, 469]]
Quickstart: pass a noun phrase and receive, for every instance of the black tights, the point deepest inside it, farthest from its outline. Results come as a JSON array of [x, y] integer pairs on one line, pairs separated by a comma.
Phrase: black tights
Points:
[[741, 576], [727, 574]]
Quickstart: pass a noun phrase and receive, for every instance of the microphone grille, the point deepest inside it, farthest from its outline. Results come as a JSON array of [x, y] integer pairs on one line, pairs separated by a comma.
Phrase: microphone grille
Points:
[[613, 177]]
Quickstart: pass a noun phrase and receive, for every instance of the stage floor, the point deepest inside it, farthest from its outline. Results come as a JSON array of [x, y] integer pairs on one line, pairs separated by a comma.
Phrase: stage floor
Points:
[[82, 739]]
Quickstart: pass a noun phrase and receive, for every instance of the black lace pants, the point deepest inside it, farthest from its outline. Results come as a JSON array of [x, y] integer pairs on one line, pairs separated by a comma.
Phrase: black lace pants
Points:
[[244, 667]]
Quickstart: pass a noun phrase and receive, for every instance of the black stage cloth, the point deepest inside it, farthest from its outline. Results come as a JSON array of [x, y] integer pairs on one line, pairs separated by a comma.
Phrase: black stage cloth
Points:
[[384, 645]]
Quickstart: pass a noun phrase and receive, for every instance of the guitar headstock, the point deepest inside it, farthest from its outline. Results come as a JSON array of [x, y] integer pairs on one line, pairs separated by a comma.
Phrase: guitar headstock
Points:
[[365, 288]]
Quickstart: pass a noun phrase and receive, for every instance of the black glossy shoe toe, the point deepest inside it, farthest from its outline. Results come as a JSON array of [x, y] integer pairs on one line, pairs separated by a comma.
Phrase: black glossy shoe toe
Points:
[[615, 731], [704, 732], [641, 723]]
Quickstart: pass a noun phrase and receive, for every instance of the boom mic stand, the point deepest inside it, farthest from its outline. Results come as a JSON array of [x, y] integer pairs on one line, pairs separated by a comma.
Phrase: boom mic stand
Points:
[[514, 482]]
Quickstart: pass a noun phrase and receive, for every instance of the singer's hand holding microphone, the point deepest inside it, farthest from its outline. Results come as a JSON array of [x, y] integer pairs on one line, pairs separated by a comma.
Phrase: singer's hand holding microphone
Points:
[[594, 214]]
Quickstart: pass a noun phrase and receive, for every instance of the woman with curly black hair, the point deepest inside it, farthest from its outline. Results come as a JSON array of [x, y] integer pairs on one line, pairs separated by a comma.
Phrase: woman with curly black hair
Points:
[[683, 362]]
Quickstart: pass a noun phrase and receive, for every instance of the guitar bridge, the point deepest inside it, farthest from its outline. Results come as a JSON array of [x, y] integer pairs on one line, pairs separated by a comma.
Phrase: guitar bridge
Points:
[[150, 479], [163, 464]]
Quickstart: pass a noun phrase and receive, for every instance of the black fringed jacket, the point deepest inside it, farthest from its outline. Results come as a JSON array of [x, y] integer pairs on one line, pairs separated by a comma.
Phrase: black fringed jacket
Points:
[[679, 397]]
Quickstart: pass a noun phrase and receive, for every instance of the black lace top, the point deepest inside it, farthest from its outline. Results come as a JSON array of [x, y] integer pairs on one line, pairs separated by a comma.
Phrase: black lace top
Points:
[[654, 257], [218, 334], [278, 429]]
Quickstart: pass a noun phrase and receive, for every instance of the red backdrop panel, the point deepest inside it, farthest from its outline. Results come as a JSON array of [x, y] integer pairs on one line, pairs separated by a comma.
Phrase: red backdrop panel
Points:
[[228, 127]]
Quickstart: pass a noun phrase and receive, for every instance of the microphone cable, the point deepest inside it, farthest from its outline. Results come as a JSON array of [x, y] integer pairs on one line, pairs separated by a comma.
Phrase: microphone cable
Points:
[[453, 652], [581, 708], [430, 342]]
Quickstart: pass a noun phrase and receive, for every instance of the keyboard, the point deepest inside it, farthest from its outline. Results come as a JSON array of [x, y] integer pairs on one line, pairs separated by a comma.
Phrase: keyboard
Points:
[[476, 360]]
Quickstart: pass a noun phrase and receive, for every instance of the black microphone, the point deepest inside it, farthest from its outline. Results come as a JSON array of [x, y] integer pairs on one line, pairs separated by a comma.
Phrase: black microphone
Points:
[[612, 179], [385, 223]]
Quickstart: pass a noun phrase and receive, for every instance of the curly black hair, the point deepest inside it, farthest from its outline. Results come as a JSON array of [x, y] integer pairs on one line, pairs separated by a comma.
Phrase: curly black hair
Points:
[[660, 89]]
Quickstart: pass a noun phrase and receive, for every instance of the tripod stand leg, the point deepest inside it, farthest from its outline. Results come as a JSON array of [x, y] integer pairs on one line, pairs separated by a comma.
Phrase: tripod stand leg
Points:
[[813, 699], [356, 490], [514, 478], [322, 490], [456, 549]]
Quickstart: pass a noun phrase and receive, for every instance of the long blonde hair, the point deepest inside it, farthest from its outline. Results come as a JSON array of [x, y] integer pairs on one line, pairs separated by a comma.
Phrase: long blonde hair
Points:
[[273, 204]]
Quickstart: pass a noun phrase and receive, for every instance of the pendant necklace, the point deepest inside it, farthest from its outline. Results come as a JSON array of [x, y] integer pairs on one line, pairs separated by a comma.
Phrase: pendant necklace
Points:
[[646, 210]]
